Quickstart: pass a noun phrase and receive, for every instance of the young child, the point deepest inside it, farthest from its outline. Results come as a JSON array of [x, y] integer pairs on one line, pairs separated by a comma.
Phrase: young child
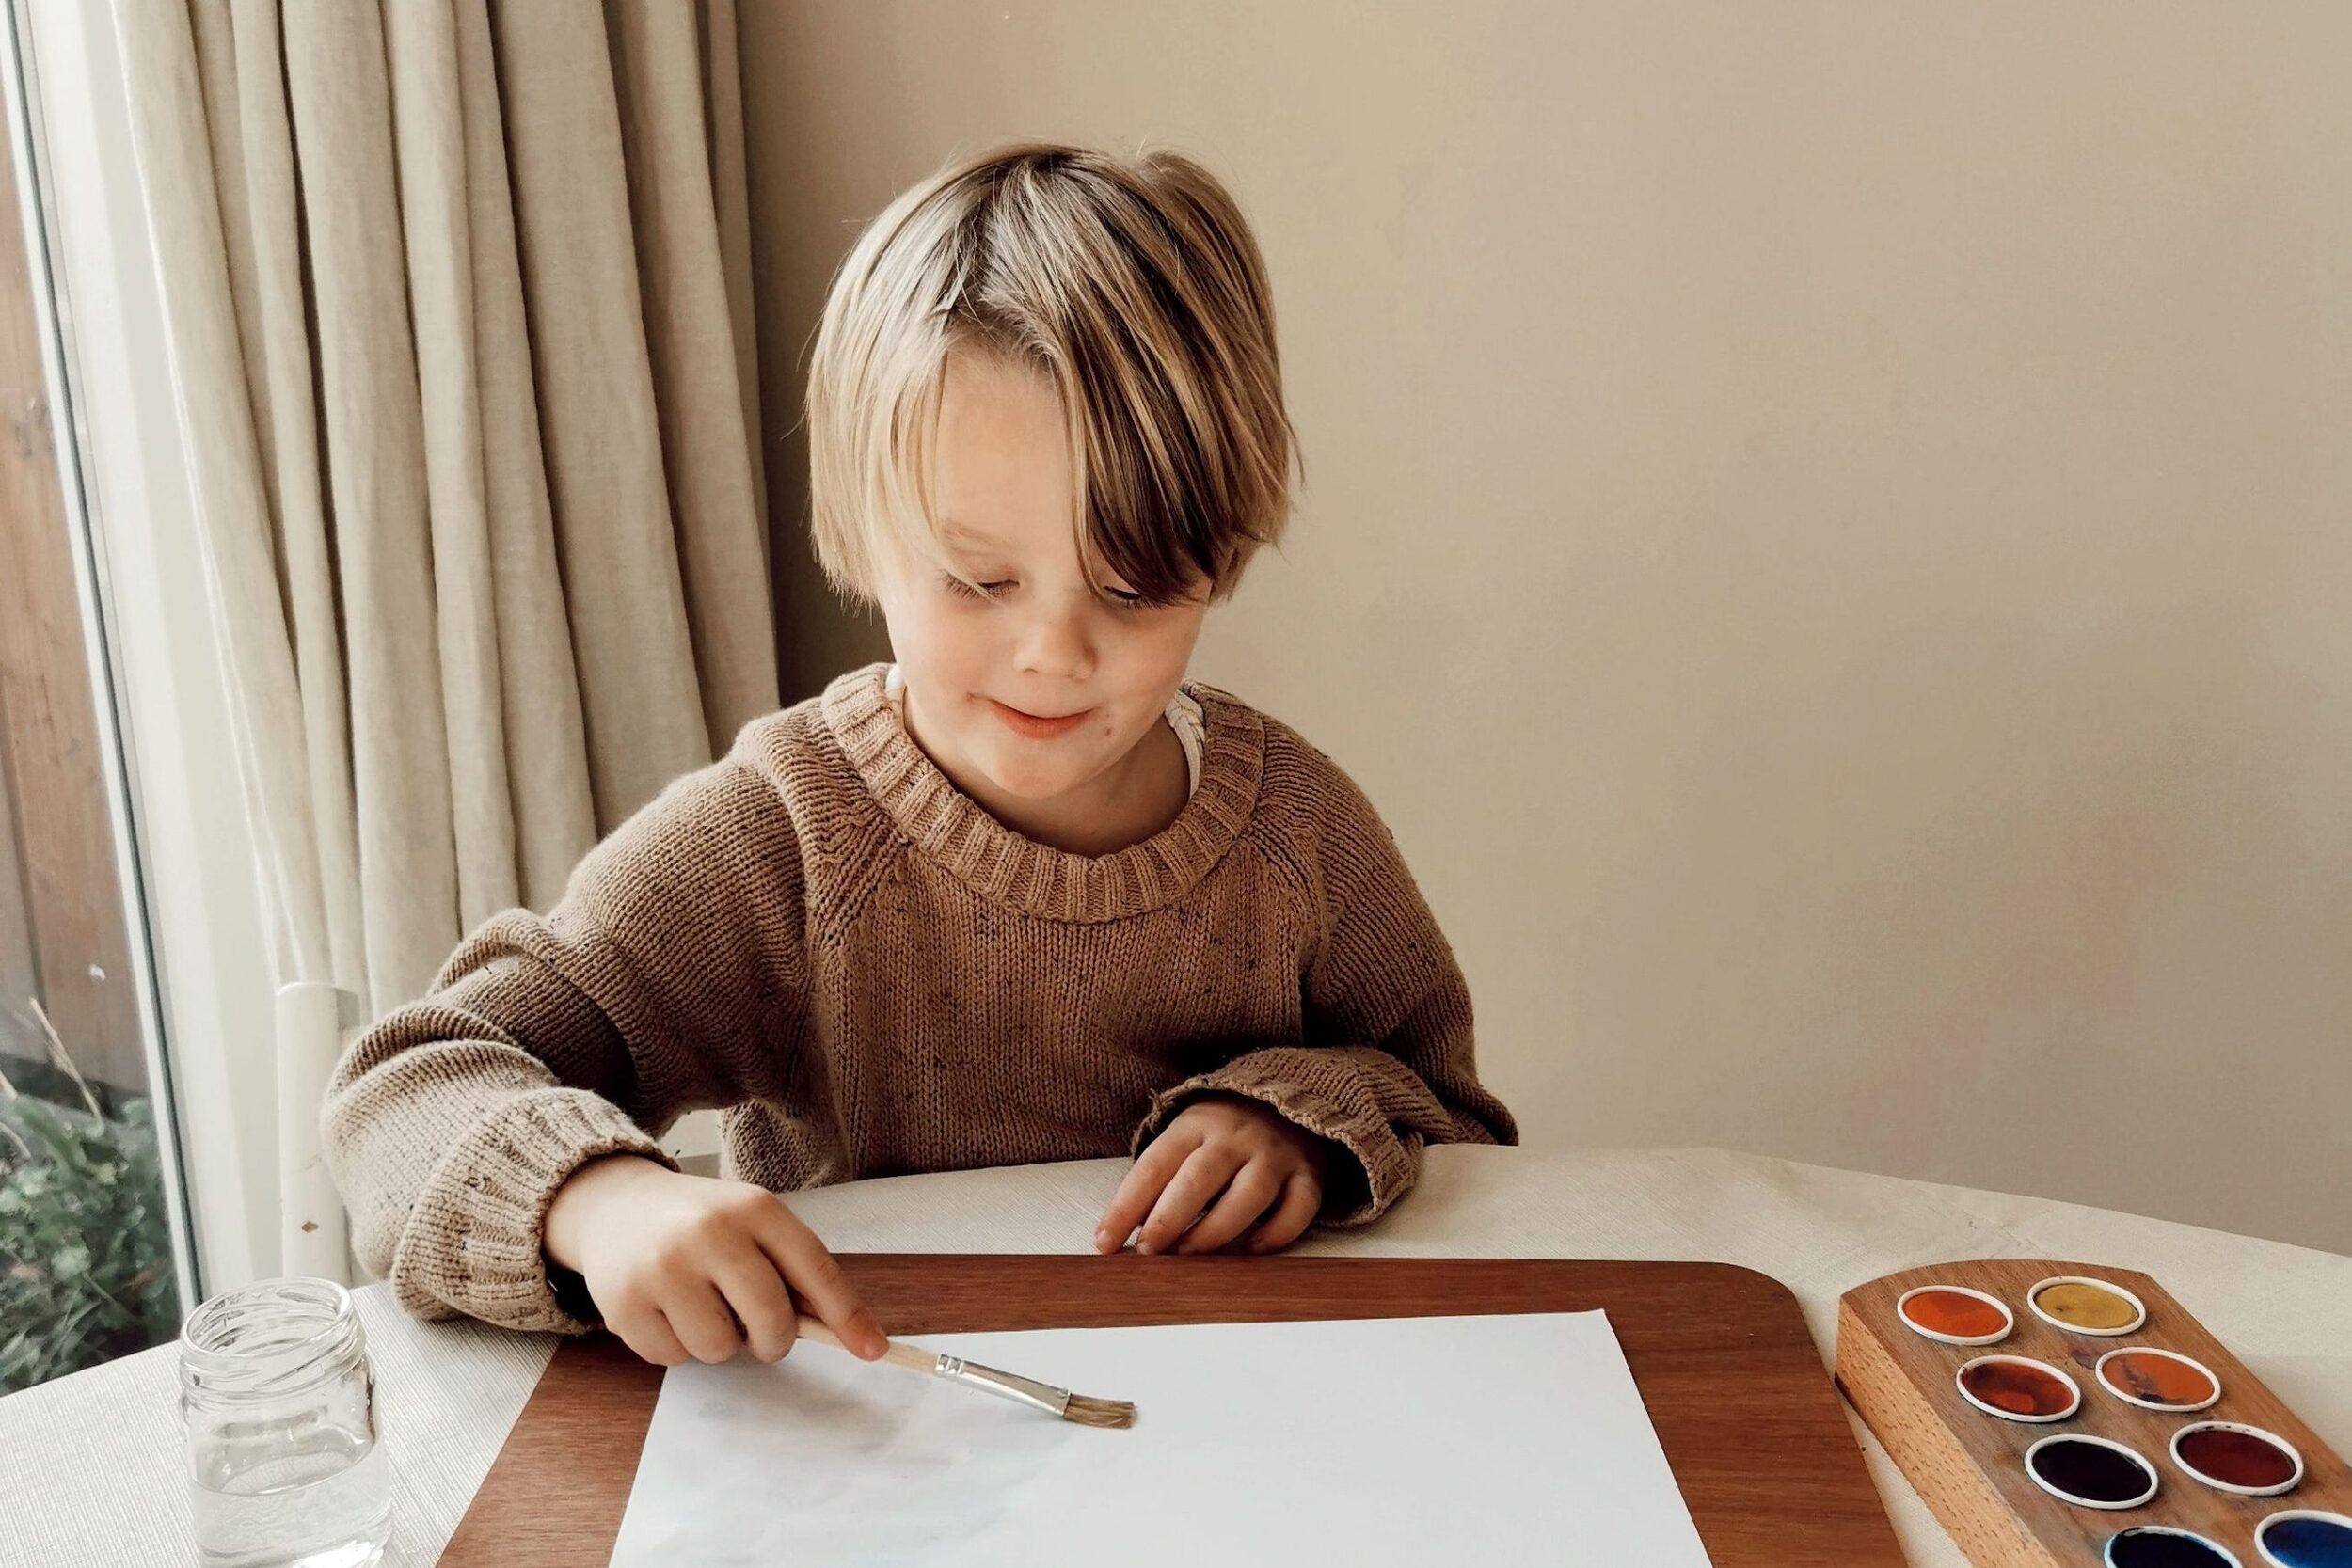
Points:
[[1025, 894]]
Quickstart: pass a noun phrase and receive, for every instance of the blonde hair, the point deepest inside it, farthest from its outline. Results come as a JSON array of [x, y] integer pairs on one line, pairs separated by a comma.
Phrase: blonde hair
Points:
[[1135, 286]]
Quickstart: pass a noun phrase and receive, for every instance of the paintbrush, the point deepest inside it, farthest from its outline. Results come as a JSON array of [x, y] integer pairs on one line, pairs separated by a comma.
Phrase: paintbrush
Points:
[[1086, 1410]]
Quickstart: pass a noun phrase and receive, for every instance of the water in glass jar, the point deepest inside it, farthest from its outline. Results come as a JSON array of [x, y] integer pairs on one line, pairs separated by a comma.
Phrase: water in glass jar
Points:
[[318, 1502]]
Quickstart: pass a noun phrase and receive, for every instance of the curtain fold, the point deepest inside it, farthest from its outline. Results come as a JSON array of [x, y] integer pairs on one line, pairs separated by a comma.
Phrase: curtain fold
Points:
[[458, 307]]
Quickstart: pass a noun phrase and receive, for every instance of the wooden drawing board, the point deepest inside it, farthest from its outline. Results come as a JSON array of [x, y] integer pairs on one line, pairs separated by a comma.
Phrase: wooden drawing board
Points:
[[1732, 1380]]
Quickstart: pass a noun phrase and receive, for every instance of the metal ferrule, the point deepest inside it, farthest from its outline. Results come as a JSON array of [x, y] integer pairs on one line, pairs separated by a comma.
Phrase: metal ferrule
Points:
[[1011, 1386]]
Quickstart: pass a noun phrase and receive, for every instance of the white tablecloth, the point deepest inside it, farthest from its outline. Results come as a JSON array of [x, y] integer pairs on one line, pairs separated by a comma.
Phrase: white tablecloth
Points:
[[91, 1473]]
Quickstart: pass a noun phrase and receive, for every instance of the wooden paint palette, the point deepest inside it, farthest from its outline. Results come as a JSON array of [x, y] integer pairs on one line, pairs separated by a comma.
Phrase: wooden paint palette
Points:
[[1967, 1455]]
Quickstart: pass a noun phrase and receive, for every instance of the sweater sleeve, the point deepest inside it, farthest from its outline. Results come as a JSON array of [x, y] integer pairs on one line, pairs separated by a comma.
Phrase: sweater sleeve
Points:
[[1387, 1063], [666, 979]]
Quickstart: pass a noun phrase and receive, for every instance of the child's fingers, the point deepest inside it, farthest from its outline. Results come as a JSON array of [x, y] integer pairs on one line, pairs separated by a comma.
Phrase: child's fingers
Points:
[[816, 1278], [754, 1293], [1145, 1179], [646, 1333], [701, 1320], [1203, 1177], [1301, 1198], [1253, 1191]]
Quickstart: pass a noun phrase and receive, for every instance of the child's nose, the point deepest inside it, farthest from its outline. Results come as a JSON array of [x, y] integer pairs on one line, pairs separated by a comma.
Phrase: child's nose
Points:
[[1057, 642]]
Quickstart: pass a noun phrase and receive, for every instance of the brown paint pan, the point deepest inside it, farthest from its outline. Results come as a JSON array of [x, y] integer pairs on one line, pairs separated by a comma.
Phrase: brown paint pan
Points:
[[2018, 1388], [2231, 1456]]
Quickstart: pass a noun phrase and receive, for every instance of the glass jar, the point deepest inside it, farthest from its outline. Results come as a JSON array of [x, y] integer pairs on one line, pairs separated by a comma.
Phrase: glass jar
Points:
[[279, 1405]]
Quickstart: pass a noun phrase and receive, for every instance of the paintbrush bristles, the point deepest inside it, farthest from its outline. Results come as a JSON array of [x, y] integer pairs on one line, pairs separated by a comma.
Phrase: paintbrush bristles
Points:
[[1089, 1412]]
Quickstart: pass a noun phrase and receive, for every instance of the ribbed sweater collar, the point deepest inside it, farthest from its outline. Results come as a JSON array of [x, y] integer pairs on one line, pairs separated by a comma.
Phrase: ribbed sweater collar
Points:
[[1037, 879]]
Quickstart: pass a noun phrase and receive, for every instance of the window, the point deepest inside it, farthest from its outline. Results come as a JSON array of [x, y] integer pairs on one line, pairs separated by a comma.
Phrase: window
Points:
[[94, 1242]]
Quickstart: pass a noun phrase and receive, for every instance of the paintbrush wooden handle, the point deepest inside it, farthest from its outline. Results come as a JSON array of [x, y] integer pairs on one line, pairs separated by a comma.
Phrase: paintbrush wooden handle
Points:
[[913, 1358], [990, 1380]]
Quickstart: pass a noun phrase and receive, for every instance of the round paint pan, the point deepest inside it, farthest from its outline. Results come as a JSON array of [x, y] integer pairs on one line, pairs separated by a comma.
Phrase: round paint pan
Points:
[[2084, 1305], [2304, 1538], [2018, 1388], [2231, 1456], [2091, 1472], [2156, 1379], [1955, 1315], [2163, 1546]]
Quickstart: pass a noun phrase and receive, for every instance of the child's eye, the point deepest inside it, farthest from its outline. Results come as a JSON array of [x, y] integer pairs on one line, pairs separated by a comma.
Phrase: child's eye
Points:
[[985, 591], [1123, 598]]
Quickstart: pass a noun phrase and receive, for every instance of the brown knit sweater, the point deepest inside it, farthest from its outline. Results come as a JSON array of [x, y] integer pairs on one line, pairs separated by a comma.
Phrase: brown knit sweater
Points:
[[820, 934]]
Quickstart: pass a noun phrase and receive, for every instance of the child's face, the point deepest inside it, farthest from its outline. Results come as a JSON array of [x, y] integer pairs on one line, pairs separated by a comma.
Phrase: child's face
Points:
[[983, 671]]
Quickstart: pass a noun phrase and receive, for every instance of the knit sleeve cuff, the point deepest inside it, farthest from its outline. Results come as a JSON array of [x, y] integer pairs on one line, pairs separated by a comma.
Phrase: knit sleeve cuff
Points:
[[1382, 1162], [473, 1244]]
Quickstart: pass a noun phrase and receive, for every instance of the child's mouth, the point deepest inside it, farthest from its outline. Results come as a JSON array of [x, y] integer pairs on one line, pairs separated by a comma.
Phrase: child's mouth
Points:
[[1036, 726]]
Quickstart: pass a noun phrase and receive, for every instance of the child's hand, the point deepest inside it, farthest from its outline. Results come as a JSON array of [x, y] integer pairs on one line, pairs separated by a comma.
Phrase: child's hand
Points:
[[685, 1265], [1220, 1143]]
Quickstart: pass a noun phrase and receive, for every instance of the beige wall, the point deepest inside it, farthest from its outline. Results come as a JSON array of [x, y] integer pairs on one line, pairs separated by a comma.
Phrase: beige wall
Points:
[[1828, 534]]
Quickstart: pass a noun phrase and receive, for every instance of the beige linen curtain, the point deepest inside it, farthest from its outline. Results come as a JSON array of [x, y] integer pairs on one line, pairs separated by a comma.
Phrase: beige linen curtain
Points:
[[457, 297]]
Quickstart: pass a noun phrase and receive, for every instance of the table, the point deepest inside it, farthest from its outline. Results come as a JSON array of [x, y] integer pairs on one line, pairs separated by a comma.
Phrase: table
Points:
[[92, 1471]]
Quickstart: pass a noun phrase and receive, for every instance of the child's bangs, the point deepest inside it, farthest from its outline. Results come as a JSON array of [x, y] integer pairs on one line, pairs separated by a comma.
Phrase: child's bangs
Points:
[[899, 448], [1122, 521], [1136, 287]]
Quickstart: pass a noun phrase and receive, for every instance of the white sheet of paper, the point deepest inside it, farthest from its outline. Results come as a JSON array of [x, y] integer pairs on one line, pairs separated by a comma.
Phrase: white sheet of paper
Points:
[[1516, 1439]]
